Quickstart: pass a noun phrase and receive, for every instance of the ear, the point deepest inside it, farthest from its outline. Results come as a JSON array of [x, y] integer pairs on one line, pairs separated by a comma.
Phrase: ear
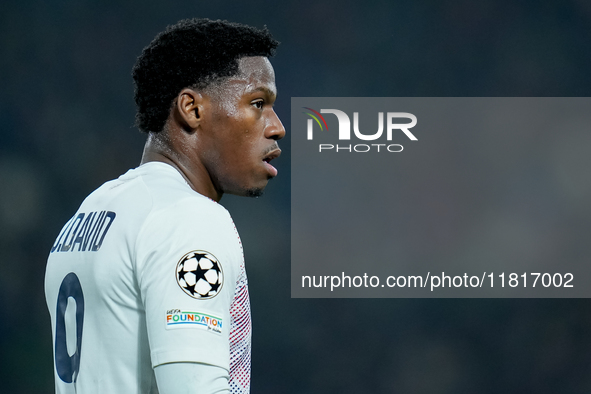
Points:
[[189, 108]]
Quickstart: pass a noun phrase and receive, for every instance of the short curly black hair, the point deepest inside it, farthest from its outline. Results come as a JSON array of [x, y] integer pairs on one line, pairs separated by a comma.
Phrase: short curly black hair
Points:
[[192, 53]]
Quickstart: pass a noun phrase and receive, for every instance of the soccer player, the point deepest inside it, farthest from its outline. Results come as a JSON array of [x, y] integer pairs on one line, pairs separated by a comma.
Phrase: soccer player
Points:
[[146, 284]]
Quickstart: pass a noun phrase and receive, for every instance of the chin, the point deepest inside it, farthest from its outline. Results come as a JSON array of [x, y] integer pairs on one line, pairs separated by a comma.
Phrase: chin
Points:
[[257, 192], [254, 191], [249, 189]]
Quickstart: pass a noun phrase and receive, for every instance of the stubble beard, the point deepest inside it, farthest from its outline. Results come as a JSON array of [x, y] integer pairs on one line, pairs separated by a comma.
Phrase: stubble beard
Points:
[[254, 192]]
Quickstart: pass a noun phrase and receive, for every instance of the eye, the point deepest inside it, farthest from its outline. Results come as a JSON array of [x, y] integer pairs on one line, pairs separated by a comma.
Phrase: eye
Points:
[[258, 103]]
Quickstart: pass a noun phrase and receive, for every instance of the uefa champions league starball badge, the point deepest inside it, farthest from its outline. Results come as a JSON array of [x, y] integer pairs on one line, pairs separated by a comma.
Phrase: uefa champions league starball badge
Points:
[[199, 274]]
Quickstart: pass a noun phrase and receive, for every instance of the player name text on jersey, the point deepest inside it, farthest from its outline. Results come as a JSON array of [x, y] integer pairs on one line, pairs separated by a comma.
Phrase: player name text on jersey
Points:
[[87, 231]]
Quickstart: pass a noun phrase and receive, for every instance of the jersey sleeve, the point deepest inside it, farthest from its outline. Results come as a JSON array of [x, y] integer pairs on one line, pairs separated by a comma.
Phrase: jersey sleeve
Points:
[[190, 378], [188, 258]]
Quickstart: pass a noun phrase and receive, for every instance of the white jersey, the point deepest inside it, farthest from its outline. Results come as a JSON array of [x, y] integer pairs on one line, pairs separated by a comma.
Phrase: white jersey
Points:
[[147, 272]]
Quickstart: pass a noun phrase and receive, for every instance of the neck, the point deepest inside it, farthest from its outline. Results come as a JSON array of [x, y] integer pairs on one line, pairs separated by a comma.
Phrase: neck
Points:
[[161, 149]]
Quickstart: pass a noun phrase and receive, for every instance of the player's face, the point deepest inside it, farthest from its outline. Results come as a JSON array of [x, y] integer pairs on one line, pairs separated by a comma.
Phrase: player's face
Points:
[[241, 130]]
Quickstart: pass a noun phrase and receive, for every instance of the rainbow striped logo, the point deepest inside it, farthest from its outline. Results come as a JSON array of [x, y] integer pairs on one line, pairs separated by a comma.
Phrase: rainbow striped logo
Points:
[[315, 116]]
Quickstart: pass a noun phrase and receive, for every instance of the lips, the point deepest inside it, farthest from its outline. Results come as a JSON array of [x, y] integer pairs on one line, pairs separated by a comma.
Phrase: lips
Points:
[[273, 154]]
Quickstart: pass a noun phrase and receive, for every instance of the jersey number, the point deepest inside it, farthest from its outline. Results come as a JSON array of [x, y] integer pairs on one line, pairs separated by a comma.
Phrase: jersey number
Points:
[[67, 366]]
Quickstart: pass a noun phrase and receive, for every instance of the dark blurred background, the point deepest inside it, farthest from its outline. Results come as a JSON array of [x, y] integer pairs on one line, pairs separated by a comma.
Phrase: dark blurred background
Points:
[[67, 114]]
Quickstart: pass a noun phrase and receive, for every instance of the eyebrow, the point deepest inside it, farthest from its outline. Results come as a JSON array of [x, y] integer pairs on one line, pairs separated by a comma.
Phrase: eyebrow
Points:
[[264, 90]]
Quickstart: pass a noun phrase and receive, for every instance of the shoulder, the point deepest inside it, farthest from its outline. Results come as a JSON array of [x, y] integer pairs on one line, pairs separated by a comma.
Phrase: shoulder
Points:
[[179, 215], [189, 219]]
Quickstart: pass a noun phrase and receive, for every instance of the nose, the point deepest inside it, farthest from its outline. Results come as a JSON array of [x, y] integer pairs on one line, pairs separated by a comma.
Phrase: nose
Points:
[[275, 129]]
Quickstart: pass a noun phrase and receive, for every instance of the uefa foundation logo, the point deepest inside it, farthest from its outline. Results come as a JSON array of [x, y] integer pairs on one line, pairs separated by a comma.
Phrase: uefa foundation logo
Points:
[[393, 125]]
